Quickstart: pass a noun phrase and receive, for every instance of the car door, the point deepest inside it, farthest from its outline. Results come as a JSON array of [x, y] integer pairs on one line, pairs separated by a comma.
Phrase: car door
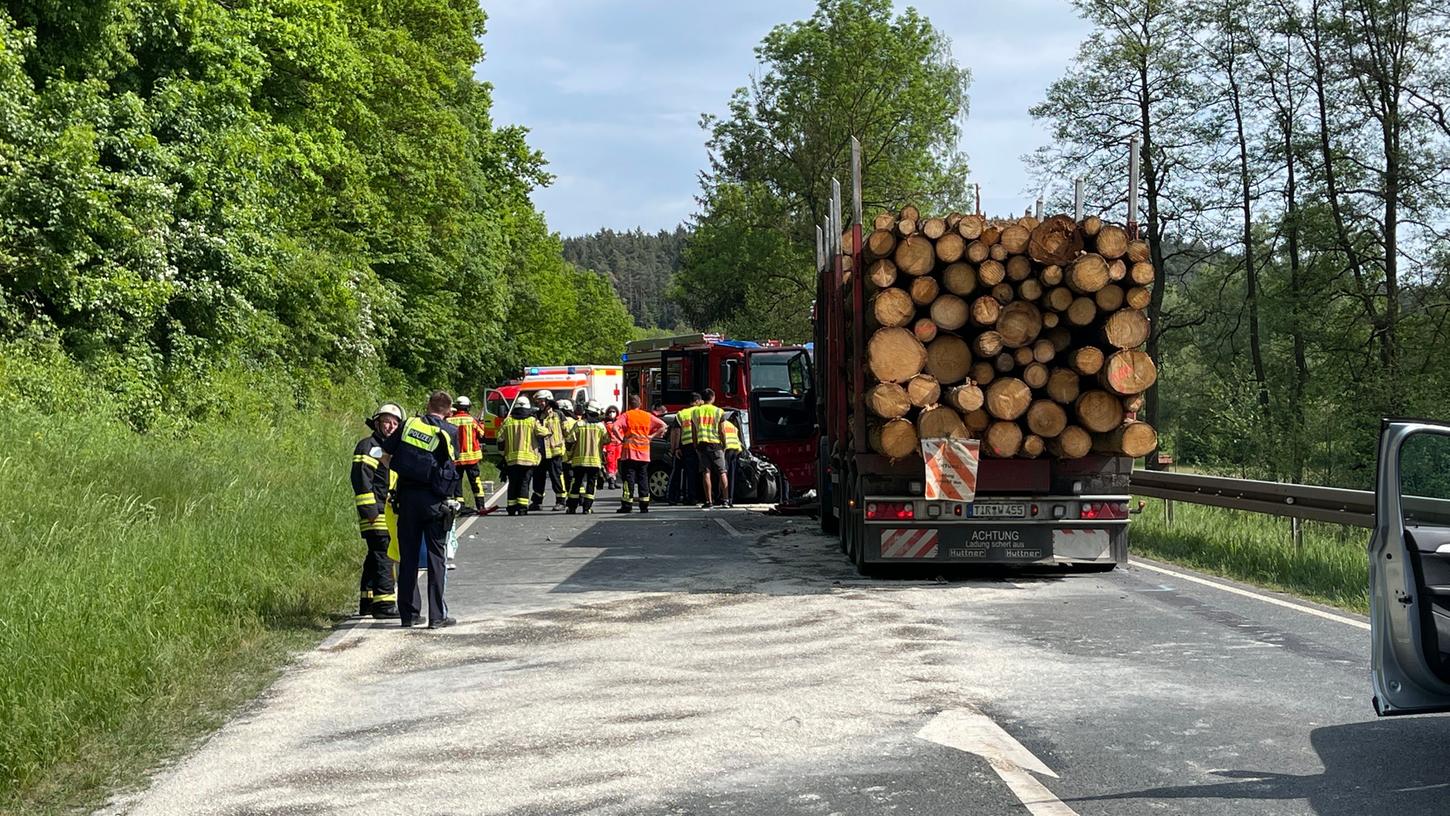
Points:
[[1409, 569]]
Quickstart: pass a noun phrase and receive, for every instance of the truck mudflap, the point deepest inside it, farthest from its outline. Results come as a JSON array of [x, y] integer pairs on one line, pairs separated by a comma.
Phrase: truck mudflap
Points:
[[1071, 542]]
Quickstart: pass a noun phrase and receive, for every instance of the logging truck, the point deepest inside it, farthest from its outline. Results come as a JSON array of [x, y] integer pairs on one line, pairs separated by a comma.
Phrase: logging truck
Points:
[[1024, 335]]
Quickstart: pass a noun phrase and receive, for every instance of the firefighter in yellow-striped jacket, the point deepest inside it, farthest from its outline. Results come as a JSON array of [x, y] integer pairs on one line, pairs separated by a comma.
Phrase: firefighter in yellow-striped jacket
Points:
[[371, 485], [587, 438]]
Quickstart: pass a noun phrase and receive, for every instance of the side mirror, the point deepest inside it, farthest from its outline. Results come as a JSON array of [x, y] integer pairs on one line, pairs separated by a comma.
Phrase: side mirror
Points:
[[730, 376]]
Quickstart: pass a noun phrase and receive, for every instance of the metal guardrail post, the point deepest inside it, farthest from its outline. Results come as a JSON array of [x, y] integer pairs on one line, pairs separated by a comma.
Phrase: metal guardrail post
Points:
[[1168, 511], [1296, 532]]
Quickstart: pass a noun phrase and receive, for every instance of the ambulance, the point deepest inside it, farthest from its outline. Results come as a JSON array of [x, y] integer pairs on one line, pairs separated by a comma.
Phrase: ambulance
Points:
[[578, 383]]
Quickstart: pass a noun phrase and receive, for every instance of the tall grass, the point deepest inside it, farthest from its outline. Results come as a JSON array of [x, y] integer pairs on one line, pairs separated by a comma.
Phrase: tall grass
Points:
[[1331, 567], [155, 580]]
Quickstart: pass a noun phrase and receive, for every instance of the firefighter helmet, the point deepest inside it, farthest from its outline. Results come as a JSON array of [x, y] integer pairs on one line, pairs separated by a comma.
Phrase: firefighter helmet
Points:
[[523, 404], [463, 403], [389, 409], [592, 408], [544, 395], [566, 406]]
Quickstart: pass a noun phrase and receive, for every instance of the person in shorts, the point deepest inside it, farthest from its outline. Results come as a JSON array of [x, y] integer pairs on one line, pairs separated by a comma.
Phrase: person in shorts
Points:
[[709, 423]]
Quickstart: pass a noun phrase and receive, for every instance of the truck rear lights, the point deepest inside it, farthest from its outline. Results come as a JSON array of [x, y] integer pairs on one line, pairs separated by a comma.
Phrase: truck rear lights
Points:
[[1094, 511], [890, 511]]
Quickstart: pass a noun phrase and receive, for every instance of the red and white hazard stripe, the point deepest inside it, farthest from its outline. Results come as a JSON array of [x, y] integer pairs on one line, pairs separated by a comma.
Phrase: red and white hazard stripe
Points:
[[909, 543]]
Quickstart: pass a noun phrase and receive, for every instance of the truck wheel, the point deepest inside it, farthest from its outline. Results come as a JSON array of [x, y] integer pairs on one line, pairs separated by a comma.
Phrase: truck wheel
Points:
[[768, 491], [855, 522]]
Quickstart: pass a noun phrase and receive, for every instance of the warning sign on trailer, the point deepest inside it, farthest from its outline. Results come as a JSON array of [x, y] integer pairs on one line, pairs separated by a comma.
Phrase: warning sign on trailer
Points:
[[951, 468]]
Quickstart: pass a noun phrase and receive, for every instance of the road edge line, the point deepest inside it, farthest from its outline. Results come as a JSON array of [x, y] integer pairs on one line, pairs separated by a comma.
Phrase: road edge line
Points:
[[1247, 593]]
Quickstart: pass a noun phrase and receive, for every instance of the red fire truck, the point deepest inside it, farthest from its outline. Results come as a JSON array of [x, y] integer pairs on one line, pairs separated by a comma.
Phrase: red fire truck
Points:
[[772, 384]]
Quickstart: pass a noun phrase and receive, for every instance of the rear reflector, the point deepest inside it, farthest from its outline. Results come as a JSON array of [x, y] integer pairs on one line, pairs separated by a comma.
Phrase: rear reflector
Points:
[[890, 511]]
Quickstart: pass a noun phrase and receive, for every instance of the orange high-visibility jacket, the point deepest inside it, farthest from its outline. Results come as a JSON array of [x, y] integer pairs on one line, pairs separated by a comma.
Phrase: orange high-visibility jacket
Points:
[[470, 438]]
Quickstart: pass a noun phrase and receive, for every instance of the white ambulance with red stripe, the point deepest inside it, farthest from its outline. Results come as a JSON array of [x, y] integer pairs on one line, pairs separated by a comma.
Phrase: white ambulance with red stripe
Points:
[[578, 383]]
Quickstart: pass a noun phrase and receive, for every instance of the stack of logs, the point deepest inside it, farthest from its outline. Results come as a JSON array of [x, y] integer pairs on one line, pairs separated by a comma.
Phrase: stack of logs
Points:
[[1027, 335]]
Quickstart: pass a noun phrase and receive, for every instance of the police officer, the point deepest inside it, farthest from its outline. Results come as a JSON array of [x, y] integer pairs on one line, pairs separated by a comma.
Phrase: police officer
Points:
[[518, 439], [551, 454], [371, 484], [470, 450], [421, 451], [587, 438]]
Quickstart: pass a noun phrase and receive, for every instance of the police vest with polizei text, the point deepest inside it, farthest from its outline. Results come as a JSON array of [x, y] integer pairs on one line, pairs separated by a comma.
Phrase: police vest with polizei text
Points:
[[417, 461]]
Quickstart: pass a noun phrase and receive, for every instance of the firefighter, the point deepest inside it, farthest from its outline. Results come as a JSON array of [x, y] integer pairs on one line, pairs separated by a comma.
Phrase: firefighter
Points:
[[470, 450], [518, 439], [550, 467], [371, 483], [421, 451], [635, 428], [587, 438], [567, 420], [708, 419], [730, 432]]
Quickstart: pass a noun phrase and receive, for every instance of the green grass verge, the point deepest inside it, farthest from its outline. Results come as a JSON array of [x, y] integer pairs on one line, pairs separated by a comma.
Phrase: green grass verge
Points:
[[158, 581], [1331, 567]]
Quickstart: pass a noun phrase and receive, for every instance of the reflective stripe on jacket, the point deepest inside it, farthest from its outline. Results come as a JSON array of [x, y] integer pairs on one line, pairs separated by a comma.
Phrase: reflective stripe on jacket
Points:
[[518, 436], [470, 447], [687, 428], [732, 437], [707, 419], [554, 442], [635, 427], [586, 444], [370, 483]]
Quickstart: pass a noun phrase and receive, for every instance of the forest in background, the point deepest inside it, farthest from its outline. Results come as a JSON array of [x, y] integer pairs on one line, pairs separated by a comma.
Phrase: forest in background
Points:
[[641, 266], [310, 190]]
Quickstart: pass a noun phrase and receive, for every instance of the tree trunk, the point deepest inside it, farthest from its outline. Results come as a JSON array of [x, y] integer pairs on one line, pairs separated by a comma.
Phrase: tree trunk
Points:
[[915, 256], [1086, 361], [888, 401], [1008, 398], [1063, 385], [923, 390], [940, 422], [1087, 274], [948, 359], [1099, 411], [1046, 418], [966, 398], [1019, 324], [895, 439], [1072, 443], [959, 278], [949, 312], [1126, 329], [1002, 440], [882, 273], [1128, 372], [924, 290], [1133, 439], [893, 307], [895, 355]]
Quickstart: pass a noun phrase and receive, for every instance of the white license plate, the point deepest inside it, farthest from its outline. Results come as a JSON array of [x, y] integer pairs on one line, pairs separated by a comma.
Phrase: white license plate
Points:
[[999, 510]]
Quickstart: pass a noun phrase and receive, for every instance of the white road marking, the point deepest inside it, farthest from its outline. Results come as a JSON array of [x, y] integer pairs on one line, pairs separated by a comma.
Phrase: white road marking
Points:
[[1308, 610], [729, 528], [493, 500], [975, 733]]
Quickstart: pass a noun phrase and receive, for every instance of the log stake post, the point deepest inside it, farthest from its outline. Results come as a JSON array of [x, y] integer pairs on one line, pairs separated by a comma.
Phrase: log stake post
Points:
[[979, 198], [1133, 189], [1077, 199], [820, 249]]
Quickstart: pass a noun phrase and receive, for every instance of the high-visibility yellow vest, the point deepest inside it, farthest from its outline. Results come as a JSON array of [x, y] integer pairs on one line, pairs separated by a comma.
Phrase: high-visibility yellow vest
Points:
[[586, 448], [687, 431], [517, 435], [415, 459], [707, 419], [732, 437]]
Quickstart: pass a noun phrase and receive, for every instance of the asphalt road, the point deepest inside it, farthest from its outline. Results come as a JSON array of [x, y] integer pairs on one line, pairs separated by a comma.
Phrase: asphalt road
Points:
[[730, 662]]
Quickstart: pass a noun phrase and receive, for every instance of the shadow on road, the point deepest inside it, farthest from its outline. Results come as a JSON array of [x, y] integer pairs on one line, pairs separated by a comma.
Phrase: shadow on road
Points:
[[1395, 766], [745, 552]]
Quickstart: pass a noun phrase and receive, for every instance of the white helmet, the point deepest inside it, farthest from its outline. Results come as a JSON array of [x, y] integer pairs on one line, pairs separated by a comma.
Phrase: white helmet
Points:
[[546, 394], [522, 403], [390, 409], [463, 403], [592, 408], [567, 406]]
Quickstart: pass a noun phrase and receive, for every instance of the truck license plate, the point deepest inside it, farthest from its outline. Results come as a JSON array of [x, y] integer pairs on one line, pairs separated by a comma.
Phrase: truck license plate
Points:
[[999, 510]]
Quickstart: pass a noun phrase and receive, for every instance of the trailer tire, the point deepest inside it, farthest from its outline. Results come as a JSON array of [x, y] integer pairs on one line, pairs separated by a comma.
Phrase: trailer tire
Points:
[[855, 521]]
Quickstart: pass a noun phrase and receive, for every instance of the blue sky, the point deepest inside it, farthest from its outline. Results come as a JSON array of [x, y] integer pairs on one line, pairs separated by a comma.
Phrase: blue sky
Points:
[[612, 93]]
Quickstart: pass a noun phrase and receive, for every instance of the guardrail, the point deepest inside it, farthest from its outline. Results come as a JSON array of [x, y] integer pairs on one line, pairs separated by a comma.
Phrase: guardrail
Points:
[[1332, 504], [1297, 502]]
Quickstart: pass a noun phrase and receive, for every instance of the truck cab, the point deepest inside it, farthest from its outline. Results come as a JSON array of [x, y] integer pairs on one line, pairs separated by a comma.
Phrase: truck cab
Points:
[[772, 383]]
